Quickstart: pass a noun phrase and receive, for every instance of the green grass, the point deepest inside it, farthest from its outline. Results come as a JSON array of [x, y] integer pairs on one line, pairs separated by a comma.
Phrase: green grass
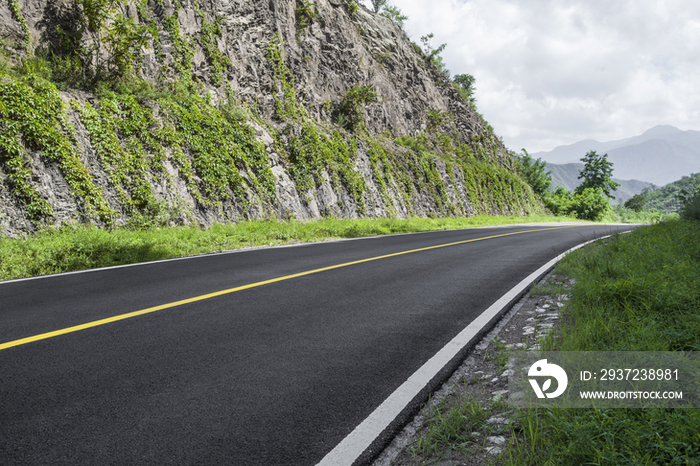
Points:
[[634, 292], [449, 426], [82, 247], [619, 214], [637, 292], [556, 285]]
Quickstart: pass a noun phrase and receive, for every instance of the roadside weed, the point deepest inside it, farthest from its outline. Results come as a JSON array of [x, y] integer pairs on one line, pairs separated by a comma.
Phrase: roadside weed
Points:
[[632, 292], [80, 247], [451, 425]]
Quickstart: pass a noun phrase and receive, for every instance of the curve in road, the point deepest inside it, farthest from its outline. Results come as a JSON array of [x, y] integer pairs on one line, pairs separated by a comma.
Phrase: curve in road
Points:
[[274, 374]]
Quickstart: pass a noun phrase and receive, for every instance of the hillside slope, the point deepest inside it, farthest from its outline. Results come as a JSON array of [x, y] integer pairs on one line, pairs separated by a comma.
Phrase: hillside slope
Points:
[[184, 112], [667, 198]]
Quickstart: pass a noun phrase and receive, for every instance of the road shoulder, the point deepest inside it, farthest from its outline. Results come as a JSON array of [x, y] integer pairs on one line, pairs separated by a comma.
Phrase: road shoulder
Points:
[[469, 421]]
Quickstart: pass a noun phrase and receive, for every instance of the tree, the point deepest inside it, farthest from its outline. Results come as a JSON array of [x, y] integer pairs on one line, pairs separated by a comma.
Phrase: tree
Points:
[[434, 54], [597, 173], [465, 85], [533, 172], [378, 4], [636, 202], [395, 15], [590, 204]]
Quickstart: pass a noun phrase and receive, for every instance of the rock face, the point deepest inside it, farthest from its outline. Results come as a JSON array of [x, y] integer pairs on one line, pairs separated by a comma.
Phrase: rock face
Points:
[[290, 109]]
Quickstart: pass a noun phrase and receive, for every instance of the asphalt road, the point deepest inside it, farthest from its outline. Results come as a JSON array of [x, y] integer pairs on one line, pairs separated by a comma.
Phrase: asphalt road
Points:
[[275, 374]]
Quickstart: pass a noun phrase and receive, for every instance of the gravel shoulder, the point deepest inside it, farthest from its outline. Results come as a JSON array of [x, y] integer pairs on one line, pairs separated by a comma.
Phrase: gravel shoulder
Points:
[[469, 421]]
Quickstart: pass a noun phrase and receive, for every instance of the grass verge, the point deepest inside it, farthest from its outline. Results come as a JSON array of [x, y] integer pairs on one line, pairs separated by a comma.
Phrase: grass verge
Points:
[[81, 247], [453, 426], [634, 292]]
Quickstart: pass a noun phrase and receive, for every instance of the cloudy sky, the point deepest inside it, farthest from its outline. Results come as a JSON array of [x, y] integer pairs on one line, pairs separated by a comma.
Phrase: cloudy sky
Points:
[[553, 72]]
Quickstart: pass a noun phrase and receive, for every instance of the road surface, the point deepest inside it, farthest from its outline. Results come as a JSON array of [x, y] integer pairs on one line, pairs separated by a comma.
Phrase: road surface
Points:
[[259, 357]]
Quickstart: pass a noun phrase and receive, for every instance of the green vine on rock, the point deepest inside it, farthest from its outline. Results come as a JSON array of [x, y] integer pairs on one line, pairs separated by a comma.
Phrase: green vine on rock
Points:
[[382, 170], [287, 106], [221, 149], [313, 153], [15, 164], [32, 111], [218, 61], [126, 168], [183, 48], [304, 14], [16, 11]]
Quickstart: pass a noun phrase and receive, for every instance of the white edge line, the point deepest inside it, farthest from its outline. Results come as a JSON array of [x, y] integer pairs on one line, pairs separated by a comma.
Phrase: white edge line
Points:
[[255, 248], [362, 437]]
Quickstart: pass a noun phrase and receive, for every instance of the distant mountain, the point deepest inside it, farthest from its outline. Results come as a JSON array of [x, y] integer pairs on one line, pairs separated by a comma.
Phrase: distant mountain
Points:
[[567, 175], [660, 155]]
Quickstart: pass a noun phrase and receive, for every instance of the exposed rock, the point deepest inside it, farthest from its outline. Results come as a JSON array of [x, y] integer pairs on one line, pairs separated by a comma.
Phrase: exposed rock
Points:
[[331, 55], [496, 439]]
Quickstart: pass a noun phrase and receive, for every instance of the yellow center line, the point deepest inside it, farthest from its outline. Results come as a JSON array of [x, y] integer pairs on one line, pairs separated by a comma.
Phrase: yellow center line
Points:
[[96, 323]]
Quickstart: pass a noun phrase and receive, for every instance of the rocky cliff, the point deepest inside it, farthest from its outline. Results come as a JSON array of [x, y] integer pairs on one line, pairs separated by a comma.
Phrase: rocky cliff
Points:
[[168, 111]]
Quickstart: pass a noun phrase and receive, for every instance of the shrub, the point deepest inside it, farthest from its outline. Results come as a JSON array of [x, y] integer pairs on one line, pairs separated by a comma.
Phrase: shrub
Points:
[[395, 15], [348, 113], [558, 202], [590, 204], [691, 205], [636, 202]]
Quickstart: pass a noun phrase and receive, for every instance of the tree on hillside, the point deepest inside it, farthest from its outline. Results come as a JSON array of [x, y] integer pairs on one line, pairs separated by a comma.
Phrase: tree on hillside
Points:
[[636, 202], [378, 4], [394, 14], [597, 173], [533, 171], [465, 85], [433, 55], [690, 209]]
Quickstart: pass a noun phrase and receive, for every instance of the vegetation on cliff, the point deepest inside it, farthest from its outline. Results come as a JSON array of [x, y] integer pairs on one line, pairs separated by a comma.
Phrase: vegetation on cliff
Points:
[[79, 112]]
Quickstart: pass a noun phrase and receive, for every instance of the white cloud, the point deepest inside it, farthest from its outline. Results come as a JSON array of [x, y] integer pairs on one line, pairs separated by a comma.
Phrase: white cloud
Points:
[[552, 72]]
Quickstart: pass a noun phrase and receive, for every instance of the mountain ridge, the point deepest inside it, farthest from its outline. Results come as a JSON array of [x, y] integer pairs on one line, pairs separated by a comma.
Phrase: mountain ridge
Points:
[[660, 155]]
